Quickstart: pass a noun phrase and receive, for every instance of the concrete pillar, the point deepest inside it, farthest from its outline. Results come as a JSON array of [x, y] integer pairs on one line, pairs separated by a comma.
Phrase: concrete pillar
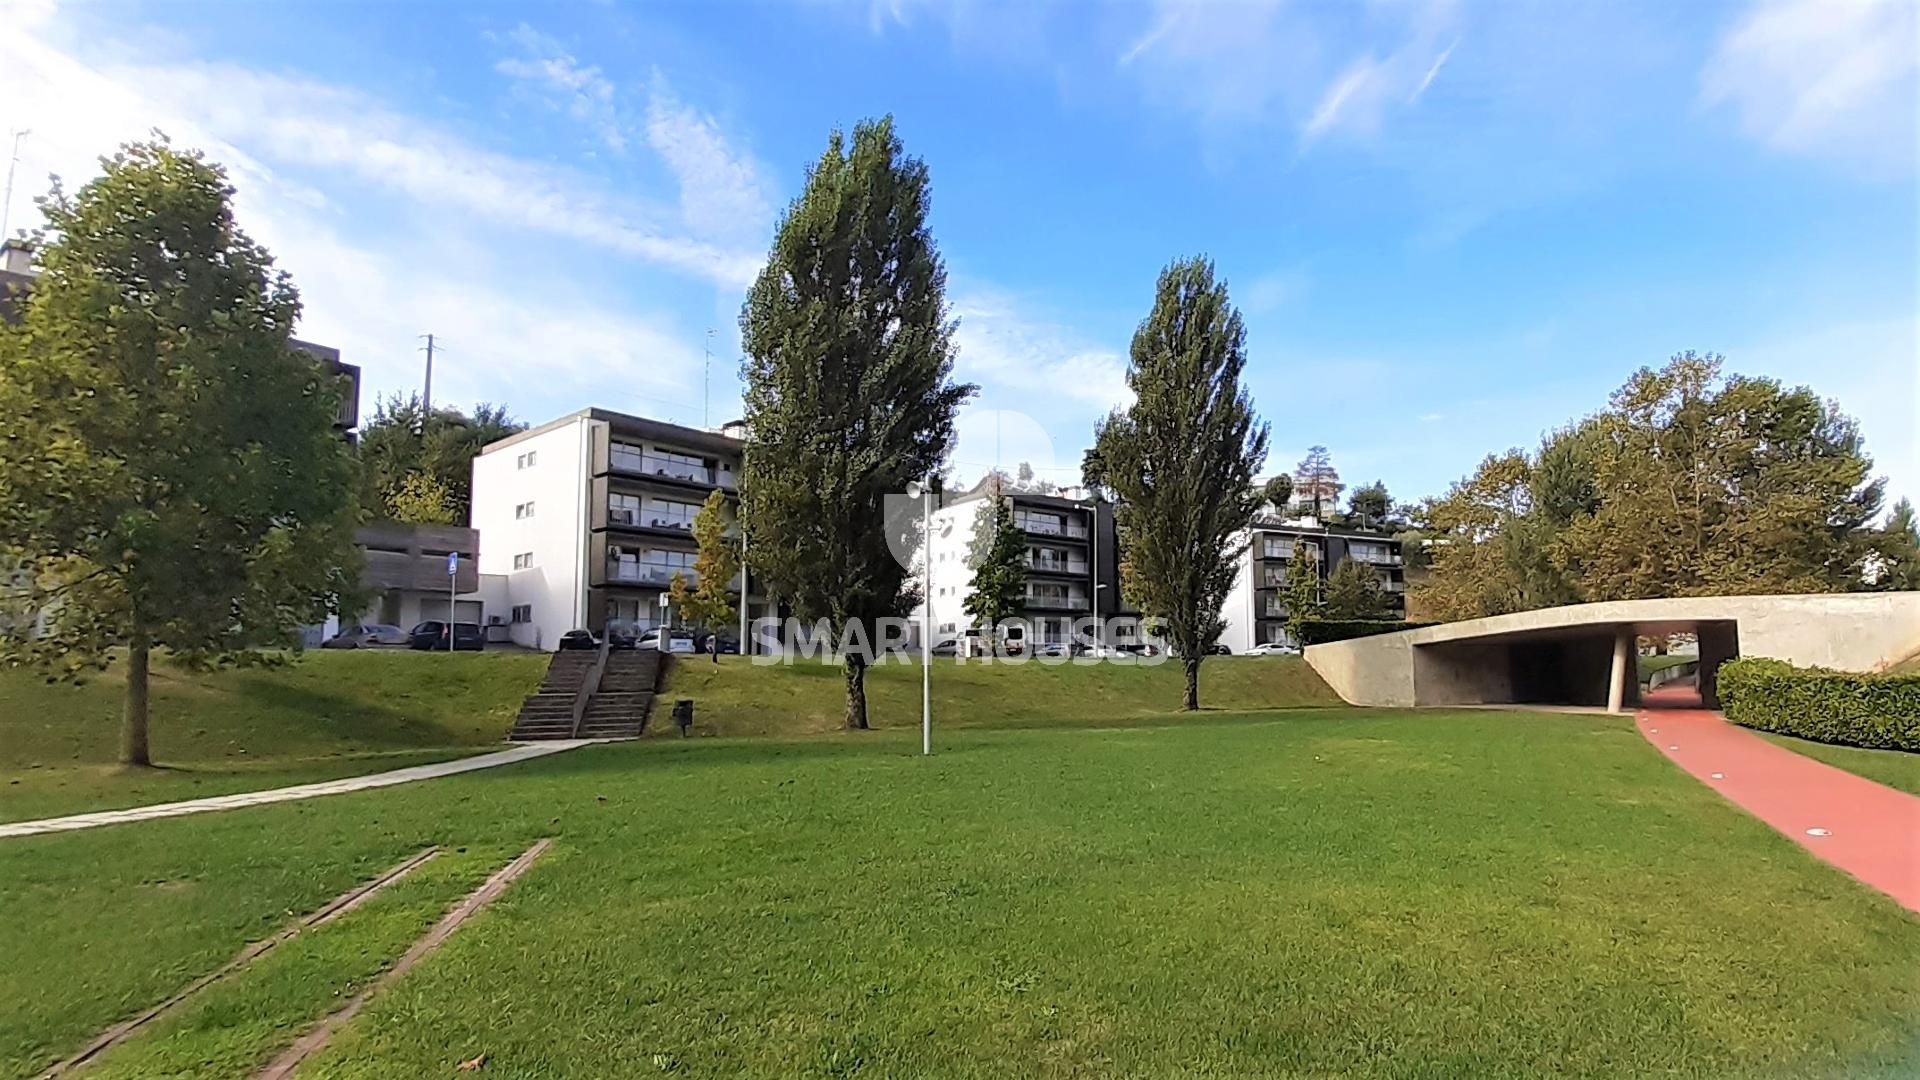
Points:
[[1622, 671]]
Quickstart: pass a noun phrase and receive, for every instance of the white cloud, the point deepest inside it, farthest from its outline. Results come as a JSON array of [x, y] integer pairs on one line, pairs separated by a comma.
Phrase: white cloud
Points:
[[373, 295], [1825, 79], [1357, 100], [723, 192], [1872, 368], [579, 89], [1005, 349]]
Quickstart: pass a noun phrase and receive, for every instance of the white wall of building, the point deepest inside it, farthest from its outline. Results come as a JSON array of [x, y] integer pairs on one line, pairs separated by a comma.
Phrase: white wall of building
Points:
[[952, 577], [1237, 610], [555, 482]]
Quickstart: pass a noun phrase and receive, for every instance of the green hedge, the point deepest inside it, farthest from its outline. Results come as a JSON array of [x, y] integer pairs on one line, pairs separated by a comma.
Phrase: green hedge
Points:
[[1880, 712], [1322, 631]]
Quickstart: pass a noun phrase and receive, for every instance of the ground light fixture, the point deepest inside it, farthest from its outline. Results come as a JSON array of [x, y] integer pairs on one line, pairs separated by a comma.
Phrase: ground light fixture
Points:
[[923, 490]]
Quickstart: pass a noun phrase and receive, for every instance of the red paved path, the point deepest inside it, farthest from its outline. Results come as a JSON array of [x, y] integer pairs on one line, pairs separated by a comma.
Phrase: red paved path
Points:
[[1871, 831]]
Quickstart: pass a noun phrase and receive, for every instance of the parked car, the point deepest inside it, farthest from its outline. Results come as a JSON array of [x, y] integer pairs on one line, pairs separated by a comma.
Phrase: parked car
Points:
[[366, 636], [1105, 652], [432, 634], [677, 641], [1219, 649], [1273, 648], [578, 639]]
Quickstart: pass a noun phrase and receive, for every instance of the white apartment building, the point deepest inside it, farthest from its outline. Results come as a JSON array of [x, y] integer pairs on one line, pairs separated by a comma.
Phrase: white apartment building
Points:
[[588, 518], [1071, 562]]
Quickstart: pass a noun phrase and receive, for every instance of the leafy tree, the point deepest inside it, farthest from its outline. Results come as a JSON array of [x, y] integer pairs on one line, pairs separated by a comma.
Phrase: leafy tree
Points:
[[849, 394], [1024, 480], [1093, 474], [170, 477], [1317, 480], [1277, 492], [1705, 486], [1687, 484], [422, 499], [1353, 592], [404, 440], [709, 602], [997, 554], [1898, 559], [1181, 459], [1371, 506], [1302, 589]]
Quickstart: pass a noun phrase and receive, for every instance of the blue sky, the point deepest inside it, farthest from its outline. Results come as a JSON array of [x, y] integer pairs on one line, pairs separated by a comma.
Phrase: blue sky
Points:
[[1451, 226]]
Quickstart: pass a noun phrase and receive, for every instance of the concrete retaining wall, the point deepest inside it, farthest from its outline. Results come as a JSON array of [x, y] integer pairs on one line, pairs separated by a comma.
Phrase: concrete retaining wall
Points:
[[1474, 662]]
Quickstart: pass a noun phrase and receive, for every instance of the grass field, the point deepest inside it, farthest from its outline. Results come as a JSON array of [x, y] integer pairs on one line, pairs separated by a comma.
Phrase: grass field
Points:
[[1895, 768], [328, 714], [1310, 893]]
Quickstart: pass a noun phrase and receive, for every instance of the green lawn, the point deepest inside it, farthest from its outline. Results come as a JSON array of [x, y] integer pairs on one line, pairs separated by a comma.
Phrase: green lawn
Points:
[[328, 714], [1310, 893], [1894, 768], [735, 697]]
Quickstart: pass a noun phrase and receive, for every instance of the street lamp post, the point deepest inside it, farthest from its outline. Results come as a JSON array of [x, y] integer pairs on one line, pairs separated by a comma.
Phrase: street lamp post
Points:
[[923, 490]]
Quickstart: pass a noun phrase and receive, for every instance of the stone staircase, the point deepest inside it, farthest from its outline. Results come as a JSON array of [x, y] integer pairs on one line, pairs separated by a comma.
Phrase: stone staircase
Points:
[[548, 712], [620, 707], [616, 709]]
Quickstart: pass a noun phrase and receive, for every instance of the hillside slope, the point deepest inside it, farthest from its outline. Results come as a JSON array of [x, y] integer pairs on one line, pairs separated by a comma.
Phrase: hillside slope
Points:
[[735, 697]]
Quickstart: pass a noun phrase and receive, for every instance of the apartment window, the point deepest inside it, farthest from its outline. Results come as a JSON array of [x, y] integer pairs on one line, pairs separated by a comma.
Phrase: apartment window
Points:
[[667, 514], [679, 560], [522, 613], [1279, 547], [527, 460], [627, 457], [523, 561], [524, 510], [623, 509], [674, 463]]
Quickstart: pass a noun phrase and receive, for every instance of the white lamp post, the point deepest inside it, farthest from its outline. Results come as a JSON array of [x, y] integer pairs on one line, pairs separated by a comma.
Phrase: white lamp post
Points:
[[923, 490]]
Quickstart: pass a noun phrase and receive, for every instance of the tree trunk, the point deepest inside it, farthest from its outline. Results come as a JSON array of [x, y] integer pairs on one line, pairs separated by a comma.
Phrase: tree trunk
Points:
[[1192, 700], [856, 693], [133, 740]]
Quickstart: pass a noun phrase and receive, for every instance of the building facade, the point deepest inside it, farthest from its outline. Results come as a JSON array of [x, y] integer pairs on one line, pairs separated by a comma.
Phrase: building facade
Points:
[[1071, 562], [589, 518], [1255, 610]]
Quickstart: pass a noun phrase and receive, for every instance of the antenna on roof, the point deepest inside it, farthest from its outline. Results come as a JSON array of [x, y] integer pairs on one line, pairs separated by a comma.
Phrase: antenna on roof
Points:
[[6, 201], [706, 383], [426, 392]]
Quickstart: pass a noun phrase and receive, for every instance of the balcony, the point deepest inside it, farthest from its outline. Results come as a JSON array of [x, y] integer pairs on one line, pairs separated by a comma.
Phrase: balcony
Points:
[[639, 519], [1376, 558], [634, 463], [632, 573], [1040, 527], [1273, 611], [1393, 586], [1057, 603], [1057, 566]]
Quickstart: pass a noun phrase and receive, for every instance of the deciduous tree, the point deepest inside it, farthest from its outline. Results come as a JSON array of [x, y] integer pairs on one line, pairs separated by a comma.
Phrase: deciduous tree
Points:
[[404, 440], [1353, 592], [1277, 492], [170, 476], [849, 390], [422, 499], [708, 602], [1302, 589], [1181, 458]]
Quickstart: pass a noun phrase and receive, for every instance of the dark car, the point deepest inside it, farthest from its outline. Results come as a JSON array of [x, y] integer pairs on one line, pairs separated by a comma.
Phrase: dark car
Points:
[[578, 639], [1218, 649], [432, 634], [366, 636]]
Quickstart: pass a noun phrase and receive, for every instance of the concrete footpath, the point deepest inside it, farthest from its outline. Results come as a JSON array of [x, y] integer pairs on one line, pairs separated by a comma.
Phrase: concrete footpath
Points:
[[1869, 830], [341, 786]]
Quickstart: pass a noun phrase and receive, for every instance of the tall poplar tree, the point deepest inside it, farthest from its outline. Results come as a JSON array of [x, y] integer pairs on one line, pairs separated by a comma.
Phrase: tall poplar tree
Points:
[[170, 476], [849, 389], [1180, 461]]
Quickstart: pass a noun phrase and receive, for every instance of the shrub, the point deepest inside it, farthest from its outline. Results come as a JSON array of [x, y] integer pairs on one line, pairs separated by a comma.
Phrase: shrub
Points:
[[1880, 712], [1322, 631]]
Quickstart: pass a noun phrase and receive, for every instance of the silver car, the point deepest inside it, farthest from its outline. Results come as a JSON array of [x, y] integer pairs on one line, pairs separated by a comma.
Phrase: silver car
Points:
[[366, 636]]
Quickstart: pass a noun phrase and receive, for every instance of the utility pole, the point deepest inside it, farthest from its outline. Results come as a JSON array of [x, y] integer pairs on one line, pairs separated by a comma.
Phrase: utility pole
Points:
[[6, 201], [426, 395]]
